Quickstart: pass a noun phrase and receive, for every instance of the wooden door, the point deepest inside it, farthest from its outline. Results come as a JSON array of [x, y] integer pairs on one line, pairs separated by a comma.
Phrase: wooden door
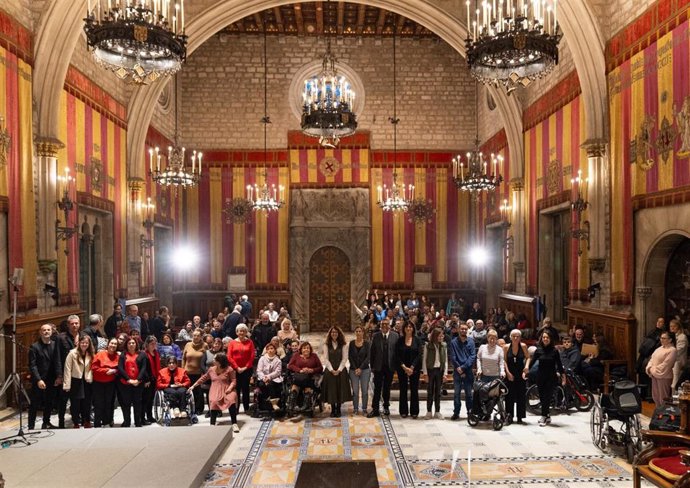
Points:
[[329, 289]]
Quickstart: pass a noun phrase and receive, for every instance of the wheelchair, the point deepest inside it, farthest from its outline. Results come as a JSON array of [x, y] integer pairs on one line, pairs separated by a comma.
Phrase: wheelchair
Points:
[[303, 403], [261, 407], [574, 394], [162, 411], [488, 403], [615, 422]]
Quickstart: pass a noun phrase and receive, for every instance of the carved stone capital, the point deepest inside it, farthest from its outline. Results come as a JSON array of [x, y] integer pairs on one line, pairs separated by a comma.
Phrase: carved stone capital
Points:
[[643, 292], [48, 147], [597, 264], [519, 267], [46, 266], [517, 184], [596, 148]]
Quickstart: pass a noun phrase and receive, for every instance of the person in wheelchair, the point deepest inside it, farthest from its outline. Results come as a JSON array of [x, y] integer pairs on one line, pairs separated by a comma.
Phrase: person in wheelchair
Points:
[[269, 373], [305, 367], [173, 381]]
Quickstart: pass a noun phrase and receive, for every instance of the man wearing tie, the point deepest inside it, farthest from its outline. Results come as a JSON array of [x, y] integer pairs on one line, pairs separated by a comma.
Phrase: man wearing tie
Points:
[[383, 365]]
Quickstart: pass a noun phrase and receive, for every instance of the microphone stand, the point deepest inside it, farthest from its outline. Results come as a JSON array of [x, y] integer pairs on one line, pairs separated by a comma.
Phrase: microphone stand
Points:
[[13, 379]]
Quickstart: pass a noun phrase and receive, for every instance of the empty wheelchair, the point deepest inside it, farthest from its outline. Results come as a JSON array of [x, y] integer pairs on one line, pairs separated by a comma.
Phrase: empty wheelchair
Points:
[[615, 422], [488, 403], [163, 410]]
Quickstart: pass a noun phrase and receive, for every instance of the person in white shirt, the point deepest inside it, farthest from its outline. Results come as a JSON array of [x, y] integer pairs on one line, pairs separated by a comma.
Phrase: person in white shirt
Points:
[[435, 368], [272, 312], [490, 363]]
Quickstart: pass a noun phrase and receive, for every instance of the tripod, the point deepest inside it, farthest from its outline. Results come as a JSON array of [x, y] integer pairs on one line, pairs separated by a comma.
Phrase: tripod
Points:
[[13, 379]]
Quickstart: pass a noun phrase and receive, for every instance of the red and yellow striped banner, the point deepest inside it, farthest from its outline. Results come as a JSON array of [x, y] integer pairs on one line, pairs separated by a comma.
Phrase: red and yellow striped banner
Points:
[[325, 167], [649, 96], [553, 156]]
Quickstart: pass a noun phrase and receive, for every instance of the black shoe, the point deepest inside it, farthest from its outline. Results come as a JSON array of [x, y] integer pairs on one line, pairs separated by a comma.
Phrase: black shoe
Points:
[[31, 427], [144, 422], [373, 413], [207, 414], [403, 415], [125, 424], [47, 425], [386, 412], [455, 416], [509, 420], [333, 414], [151, 420], [61, 424]]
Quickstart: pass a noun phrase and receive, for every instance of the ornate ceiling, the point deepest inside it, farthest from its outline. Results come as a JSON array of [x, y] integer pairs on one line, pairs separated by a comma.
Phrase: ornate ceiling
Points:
[[334, 18]]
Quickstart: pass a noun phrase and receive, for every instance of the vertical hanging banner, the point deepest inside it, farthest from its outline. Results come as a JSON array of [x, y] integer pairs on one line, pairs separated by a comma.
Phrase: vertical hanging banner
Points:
[[649, 96]]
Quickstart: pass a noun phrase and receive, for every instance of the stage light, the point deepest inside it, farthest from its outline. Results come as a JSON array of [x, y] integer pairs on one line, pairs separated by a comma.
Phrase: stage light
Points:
[[185, 257], [478, 256]]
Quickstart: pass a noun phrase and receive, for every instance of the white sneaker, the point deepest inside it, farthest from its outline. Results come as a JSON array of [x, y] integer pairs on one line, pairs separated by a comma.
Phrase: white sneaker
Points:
[[235, 428], [183, 414], [439, 415], [543, 421], [429, 416], [176, 412]]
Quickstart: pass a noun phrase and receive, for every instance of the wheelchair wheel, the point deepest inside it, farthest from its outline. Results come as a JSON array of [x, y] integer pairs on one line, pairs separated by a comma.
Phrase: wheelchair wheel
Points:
[[533, 402], [159, 406], [633, 443], [472, 419], [584, 401], [597, 422]]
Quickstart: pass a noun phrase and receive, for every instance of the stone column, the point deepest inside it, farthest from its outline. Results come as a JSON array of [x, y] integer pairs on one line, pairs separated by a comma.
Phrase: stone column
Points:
[[134, 233], [643, 293], [597, 177], [46, 154], [518, 191]]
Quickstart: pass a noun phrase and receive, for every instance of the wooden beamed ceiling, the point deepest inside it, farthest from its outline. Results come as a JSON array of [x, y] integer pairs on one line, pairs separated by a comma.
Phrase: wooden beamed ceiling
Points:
[[329, 18]]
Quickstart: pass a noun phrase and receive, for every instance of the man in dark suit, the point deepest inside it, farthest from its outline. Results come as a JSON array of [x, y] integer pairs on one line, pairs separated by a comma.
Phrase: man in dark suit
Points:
[[232, 321], [383, 365], [46, 376]]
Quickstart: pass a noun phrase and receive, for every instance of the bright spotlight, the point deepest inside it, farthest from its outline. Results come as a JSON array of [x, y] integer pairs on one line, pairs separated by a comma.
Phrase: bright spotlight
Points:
[[478, 256], [184, 258]]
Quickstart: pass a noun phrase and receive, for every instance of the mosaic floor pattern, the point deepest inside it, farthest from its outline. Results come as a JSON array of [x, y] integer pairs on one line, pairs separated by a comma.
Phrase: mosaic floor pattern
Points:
[[275, 456]]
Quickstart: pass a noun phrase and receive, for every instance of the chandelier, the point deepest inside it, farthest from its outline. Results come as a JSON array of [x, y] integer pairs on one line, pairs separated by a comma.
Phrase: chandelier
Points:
[[139, 40], [264, 198], [176, 173], [512, 42], [397, 198], [327, 104], [421, 211], [473, 174]]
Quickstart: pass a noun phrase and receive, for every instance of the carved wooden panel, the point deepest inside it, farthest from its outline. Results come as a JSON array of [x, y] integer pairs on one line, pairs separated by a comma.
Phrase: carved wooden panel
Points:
[[329, 289]]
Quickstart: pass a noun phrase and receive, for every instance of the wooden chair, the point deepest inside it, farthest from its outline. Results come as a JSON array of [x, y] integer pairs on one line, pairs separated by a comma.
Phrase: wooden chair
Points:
[[665, 445]]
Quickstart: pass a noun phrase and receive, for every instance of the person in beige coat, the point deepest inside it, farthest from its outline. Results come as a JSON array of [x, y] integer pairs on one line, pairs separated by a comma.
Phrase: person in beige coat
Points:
[[660, 369], [681, 351], [77, 380]]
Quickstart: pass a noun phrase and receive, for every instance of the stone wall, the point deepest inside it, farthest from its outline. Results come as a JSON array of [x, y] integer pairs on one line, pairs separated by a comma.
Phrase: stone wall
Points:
[[25, 12], [222, 91], [537, 88], [613, 15]]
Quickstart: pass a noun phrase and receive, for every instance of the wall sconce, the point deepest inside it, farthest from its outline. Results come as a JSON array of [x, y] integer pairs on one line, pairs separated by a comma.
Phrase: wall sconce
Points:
[[66, 204], [146, 242], [506, 210], [5, 141], [581, 230]]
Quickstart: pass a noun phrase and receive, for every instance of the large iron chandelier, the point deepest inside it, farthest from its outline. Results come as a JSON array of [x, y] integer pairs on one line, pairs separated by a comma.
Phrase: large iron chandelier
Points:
[[264, 198], [327, 104], [176, 173], [139, 40], [511, 43], [474, 174], [397, 198]]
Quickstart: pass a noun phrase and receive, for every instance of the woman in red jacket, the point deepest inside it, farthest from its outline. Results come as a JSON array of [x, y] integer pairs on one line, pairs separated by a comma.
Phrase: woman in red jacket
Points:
[[152, 368], [132, 370], [174, 382], [104, 368], [241, 354]]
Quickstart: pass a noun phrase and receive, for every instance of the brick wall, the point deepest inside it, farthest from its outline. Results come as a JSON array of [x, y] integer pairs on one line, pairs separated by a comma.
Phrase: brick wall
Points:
[[222, 91]]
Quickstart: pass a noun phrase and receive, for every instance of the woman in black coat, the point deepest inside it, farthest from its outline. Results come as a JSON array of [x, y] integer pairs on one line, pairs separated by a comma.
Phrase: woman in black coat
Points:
[[409, 353], [549, 367]]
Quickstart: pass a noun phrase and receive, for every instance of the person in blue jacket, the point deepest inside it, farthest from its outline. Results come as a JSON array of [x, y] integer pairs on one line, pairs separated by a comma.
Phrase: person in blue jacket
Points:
[[463, 355]]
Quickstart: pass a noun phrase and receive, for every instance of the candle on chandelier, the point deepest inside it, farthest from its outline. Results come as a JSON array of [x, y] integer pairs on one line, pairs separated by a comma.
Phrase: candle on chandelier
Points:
[[462, 172], [193, 161], [150, 160], [158, 160], [467, 4], [249, 193], [182, 17], [199, 155]]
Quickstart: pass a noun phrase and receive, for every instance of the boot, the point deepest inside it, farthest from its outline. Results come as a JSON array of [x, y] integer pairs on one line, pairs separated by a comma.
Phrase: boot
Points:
[[274, 403]]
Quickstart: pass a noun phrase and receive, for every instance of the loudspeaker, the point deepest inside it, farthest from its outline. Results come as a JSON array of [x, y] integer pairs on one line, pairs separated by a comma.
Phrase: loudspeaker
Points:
[[338, 474], [17, 277]]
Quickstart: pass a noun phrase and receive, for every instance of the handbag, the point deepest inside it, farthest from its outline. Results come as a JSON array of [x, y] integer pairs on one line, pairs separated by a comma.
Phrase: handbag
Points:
[[666, 418]]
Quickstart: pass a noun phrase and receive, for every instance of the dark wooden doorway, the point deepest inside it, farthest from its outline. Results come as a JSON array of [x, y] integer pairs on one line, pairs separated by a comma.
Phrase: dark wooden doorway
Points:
[[329, 289]]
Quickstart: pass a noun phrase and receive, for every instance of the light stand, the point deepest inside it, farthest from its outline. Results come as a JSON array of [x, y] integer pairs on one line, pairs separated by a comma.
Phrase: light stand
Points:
[[13, 378]]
